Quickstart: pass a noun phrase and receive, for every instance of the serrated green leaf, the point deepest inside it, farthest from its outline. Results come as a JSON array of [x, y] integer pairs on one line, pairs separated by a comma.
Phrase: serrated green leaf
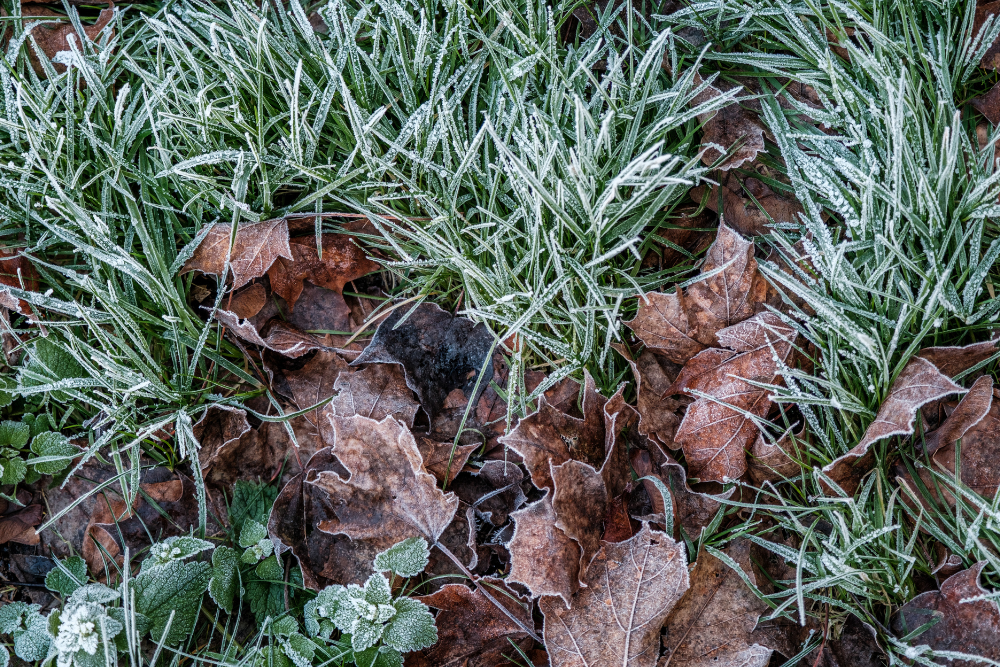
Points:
[[252, 533], [365, 633], [14, 434], [377, 590], [174, 549], [12, 616], [299, 649], [96, 593], [174, 587], [412, 628], [379, 656], [270, 569], [142, 626], [66, 582], [265, 599], [4, 656], [32, 643], [225, 577], [406, 559], [250, 501], [283, 627], [51, 443]]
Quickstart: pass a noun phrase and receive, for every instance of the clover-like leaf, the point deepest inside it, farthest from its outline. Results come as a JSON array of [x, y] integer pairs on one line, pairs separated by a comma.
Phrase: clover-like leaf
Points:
[[67, 576], [299, 649], [411, 628], [225, 577], [53, 452], [174, 587], [406, 559]]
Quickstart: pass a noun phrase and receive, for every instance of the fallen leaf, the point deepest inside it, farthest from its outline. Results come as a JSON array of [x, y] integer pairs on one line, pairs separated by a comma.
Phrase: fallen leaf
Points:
[[249, 301], [542, 556], [715, 622], [727, 127], [494, 491], [954, 360], [855, 647], [376, 391], [438, 352], [965, 627], [289, 340], [770, 461], [716, 431], [749, 206], [219, 428], [631, 588], [343, 261], [972, 409], [692, 510], [989, 104], [53, 40], [314, 382], [658, 414], [388, 496], [472, 632], [16, 270], [443, 459], [19, 526], [919, 383], [256, 247], [680, 325]]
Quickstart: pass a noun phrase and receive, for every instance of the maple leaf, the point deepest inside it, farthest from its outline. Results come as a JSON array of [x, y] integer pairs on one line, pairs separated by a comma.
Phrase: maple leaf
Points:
[[631, 588], [256, 247], [954, 360], [53, 40], [389, 496], [471, 630], [743, 201], [542, 556], [971, 627], [716, 431], [715, 622], [658, 418], [680, 325], [726, 128], [343, 261], [919, 383]]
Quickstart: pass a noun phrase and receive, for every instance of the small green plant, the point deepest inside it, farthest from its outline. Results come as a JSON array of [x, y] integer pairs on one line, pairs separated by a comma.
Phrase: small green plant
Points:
[[49, 453]]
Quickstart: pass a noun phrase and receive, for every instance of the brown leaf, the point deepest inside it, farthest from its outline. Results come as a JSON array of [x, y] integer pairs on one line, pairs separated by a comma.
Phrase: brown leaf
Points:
[[494, 491], [770, 461], [18, 271], [388, 496], [658, 415], [219, 428], [966, 627], [472, 632], [730, 125], [248, 301], [855, 647], [256, 247], [714, 622], [438, 352], [972, 409], [919, 383], [542, 556], [716, 432], [953, 360], [680, 326], [343, 261], [991, 59], [743, 201], [443, 459], [19, 526], [376, 391], [316, 381], [989, 104], [53, 40], [631, 588], [289, 340]]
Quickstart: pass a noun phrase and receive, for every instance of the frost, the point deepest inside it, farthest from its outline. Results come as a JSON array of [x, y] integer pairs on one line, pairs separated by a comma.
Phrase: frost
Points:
[[175, 587], [27, 627], [225, 578], [174, 549], [67, 576], [406, 559], [82, 630]]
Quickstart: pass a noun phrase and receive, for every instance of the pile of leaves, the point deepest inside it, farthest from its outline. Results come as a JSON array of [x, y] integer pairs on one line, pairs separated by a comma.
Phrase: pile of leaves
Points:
[[420, 333]]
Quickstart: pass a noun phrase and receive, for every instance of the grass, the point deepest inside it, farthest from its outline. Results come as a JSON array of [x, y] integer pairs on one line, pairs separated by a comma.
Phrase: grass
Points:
[[517, 170]]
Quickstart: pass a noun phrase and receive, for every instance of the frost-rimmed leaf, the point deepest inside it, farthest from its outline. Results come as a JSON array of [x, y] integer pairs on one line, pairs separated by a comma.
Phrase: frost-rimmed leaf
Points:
[[63, 582], [225, 577], [53, 452], [406, 559], [174, 587], [174, 549], [412, 628]]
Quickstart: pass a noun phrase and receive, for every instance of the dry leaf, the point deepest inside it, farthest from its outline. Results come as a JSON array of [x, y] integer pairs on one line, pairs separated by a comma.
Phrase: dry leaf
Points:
[[919, 383], [219, 429], [472, 632], [714, 622], [679, 326], [19, 526], [18, 271], [247, 302], [989, 104], [376, 391], [742, 202], [716, 431], [53, 40], [965, 627], [954, 360], [855, 647], [388, 496], [494, 491], [443, 459], [770, 461], [658, 415], [438, 352], [542, 556], [343, 261], [725, 128], [256, 247], [314, 382], [972, 409], [631, 588]]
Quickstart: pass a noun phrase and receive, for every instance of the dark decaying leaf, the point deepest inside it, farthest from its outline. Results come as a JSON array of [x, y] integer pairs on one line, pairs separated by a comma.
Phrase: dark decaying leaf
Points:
[[680, 325], [19, 526], [971, 410], [658, 413], [749, 206], [388, 496], [965, 627], [376, 391], [343, 261], [989, 104], [730, 126], [715, 622], [16, 270], [919, 383], [954, 360], [438, 352], [542, 556], [777, 460], [472, 632], [855, 647], [716, 430], [631, 588], [494, 491], [52, 40], [256, 247]]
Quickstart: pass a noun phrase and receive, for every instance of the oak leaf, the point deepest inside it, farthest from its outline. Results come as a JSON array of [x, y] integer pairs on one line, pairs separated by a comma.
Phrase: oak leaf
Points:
[[718, 427], [256, 247], [343, 261], [919, 383], [631, 588], [971, 627]]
